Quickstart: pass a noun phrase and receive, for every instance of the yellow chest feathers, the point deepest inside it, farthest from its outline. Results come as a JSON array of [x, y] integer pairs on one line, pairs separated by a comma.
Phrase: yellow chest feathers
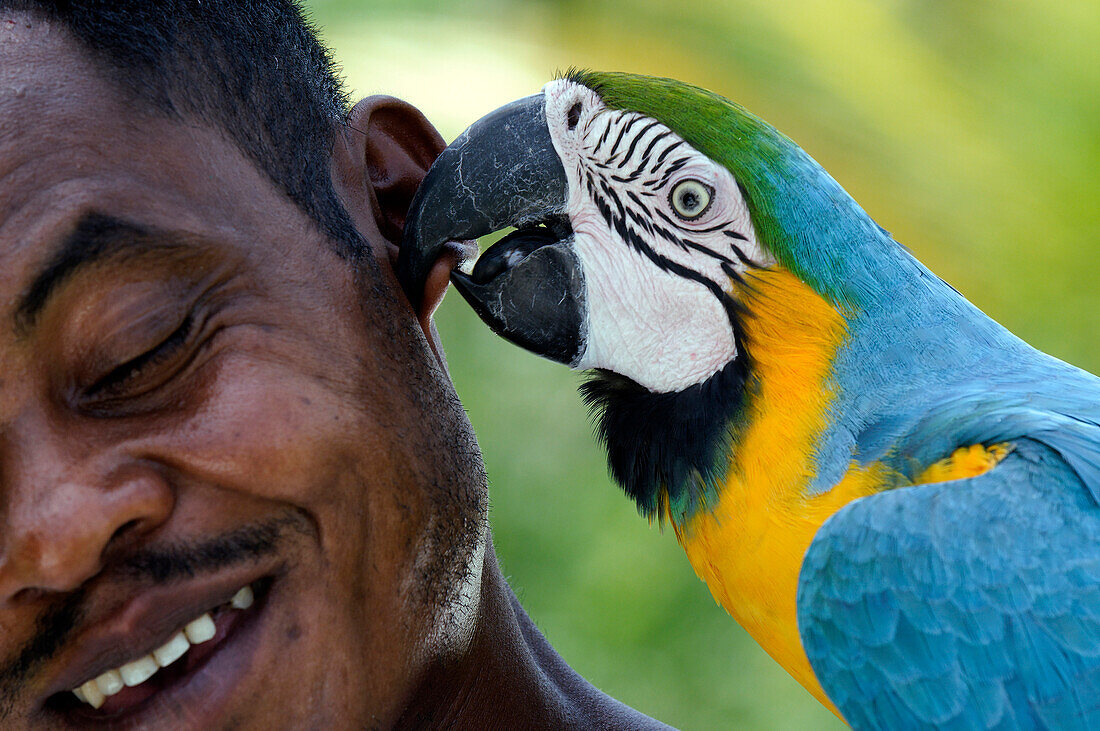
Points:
[[749, 548]]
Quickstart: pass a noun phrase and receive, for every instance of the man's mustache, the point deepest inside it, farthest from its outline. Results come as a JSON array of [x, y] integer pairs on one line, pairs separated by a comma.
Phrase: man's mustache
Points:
[[183, 561], [158, 565]]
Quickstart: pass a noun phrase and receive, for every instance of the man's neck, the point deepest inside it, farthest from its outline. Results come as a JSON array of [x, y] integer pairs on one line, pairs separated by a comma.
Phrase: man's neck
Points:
[[511, 678]]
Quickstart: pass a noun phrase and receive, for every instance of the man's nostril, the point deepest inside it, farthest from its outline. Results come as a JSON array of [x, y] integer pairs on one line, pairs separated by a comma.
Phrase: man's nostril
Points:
[[28, 595], [121, 533]]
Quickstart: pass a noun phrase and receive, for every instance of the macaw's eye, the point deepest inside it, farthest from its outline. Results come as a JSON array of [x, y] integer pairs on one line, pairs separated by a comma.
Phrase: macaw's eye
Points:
[[690, 199]]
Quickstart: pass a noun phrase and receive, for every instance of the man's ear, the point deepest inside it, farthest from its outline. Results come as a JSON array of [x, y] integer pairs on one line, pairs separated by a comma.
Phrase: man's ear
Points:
[[398, 145], [388, 151]]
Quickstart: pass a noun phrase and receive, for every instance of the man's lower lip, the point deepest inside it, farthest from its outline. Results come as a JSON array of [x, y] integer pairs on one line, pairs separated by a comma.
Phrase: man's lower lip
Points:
[[192, 688]]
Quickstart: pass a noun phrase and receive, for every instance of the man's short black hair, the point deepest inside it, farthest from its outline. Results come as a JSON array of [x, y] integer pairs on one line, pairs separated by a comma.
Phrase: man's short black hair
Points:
[[252, 68]]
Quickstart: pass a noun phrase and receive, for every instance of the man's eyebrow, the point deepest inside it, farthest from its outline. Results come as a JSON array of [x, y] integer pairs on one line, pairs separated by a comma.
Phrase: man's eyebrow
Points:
[[96, 237]]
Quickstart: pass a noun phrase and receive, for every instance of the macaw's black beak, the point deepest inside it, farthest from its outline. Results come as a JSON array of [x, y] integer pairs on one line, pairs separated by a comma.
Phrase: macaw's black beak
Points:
[[504, 171]]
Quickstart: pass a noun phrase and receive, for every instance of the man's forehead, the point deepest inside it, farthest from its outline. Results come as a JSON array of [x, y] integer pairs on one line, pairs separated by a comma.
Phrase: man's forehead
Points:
[[24, 35], [43, 71], [72, 144]]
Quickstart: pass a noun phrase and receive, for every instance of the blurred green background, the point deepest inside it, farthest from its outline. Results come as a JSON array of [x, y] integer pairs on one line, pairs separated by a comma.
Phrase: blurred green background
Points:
[[971, 130]]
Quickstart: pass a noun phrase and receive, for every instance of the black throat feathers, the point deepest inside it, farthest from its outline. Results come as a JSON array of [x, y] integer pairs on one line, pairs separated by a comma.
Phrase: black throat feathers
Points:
[[668, 451]]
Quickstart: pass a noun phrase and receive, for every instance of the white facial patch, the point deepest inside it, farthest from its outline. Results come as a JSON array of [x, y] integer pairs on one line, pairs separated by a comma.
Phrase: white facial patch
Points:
[[661, 232]]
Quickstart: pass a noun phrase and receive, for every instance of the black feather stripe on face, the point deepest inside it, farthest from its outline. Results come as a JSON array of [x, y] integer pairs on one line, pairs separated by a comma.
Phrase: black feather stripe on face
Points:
[[617, 217], [623, 216]]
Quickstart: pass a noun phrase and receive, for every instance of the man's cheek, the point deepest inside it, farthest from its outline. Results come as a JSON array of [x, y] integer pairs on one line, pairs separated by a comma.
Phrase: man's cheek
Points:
[[264, 431]]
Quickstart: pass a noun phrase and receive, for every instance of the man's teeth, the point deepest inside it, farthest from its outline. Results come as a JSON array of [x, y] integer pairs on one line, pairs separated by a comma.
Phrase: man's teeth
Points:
[[242, 599], [201, 630], [136, 672], [96, 691], [172, 650]]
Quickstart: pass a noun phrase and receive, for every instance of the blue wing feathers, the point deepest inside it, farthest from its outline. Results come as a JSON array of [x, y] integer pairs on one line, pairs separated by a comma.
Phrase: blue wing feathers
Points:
[[966, 604]]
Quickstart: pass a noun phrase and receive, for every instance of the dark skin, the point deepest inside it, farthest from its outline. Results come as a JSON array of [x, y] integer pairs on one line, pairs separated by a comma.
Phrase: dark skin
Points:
[[215, 399]]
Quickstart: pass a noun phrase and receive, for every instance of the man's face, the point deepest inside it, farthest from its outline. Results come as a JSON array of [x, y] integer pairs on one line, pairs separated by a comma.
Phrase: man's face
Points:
[[196, 396]]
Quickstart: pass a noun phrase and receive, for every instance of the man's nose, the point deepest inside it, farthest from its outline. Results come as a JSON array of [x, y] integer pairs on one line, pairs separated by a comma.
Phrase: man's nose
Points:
[[63, 517]]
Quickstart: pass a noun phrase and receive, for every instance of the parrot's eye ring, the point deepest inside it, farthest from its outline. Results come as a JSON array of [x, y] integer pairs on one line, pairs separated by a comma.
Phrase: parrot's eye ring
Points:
[[690, 198]]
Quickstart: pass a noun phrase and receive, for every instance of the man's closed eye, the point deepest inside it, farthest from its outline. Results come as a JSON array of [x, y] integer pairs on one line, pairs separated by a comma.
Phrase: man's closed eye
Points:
[[145, 374]]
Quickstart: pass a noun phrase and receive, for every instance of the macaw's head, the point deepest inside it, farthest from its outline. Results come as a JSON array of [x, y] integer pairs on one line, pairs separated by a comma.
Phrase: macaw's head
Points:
[[643, 209]]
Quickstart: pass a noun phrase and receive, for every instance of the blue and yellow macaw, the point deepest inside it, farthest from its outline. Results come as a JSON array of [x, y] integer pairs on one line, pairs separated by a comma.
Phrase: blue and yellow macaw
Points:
[[893, 494]]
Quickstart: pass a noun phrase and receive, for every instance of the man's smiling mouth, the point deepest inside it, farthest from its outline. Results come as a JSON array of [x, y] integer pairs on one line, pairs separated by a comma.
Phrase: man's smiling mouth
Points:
[[120, 692], [95, 692]]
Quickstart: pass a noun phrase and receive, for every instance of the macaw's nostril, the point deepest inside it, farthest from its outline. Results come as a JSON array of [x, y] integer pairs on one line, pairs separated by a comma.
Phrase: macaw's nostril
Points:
[[510, 251]]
